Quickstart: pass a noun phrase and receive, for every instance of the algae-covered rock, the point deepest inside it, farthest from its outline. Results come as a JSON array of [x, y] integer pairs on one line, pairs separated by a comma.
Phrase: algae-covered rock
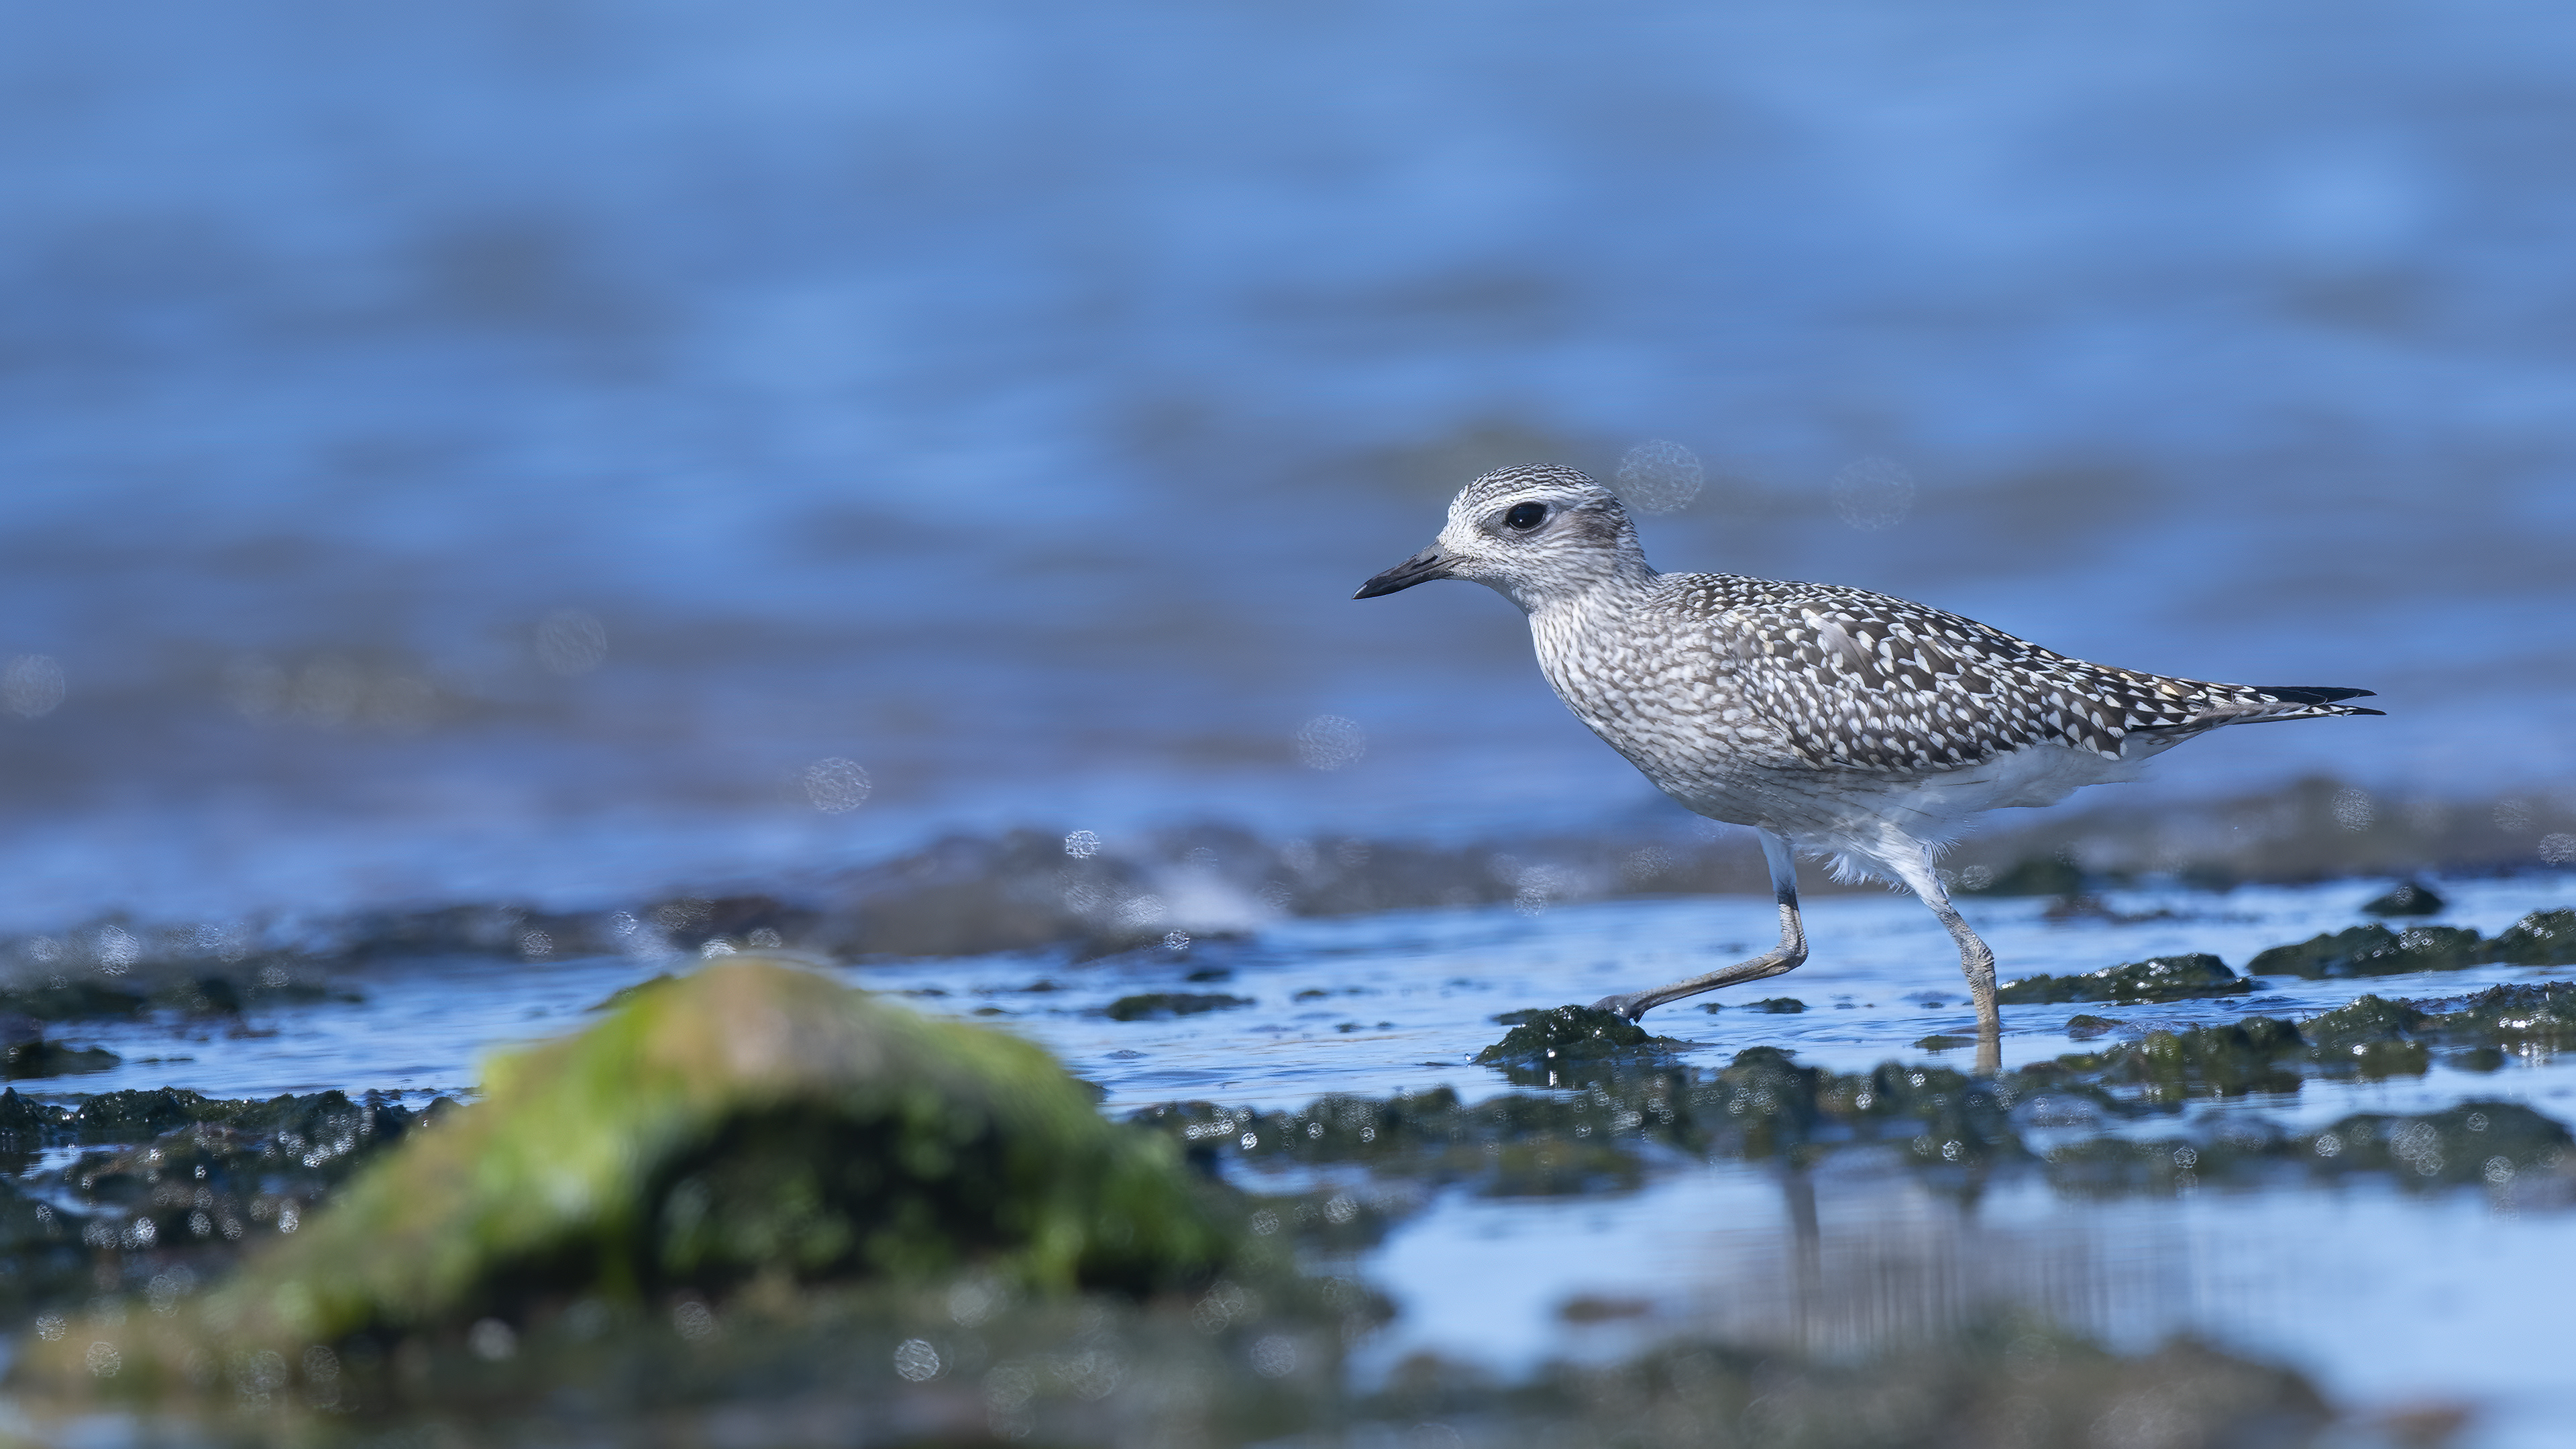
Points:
[[751, 1119], [2373, 951], [1777, 1005], [2370, 1036], [2541, 1013], [2158, 978], [2490, 1142], [2407, 898], [2543, 938], [2252, 1055], [1571, 1046]]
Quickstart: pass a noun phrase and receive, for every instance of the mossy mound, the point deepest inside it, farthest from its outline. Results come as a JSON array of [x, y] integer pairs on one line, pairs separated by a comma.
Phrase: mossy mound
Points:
[[752, 1120], [2158, 978], [2376, 951]]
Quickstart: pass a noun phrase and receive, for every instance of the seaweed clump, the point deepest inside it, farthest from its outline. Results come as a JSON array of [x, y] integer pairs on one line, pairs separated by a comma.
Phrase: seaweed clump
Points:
[[2374, 951], [2158, 978]]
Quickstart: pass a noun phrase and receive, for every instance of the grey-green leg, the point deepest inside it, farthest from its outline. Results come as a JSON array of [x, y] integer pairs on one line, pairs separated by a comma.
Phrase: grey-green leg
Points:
[[1786, 956], [1976, 959]]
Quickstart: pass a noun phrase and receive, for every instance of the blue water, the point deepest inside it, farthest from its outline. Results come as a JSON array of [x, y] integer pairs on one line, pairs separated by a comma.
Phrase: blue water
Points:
[[1006, 399]]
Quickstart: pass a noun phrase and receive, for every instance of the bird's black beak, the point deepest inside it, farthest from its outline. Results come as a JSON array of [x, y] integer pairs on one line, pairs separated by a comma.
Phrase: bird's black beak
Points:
[[1422, 568]]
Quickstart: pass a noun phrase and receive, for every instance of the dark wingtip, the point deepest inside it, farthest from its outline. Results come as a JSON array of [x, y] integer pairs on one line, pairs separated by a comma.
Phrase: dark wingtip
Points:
[[2316, 694]]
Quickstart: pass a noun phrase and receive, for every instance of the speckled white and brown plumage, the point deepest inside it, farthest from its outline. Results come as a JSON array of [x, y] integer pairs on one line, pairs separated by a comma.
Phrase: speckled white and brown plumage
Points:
[[1834, 720]]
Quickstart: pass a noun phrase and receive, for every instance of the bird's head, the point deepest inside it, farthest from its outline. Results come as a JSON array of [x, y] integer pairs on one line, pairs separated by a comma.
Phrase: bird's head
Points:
[[1535, 535]]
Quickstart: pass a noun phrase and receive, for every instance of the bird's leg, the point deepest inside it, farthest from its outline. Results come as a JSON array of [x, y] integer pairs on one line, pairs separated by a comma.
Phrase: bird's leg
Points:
[[1784, 957], [1976, 959]]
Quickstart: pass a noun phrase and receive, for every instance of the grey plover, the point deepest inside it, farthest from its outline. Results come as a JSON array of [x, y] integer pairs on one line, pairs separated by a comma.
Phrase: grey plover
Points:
[[1834, 721]]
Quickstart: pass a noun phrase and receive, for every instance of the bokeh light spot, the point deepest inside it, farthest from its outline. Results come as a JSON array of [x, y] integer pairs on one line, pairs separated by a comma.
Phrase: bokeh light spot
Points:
[[32, 686], [1329, 742], [837, 785], [1873, 494], [570, 642], [1658, 476]]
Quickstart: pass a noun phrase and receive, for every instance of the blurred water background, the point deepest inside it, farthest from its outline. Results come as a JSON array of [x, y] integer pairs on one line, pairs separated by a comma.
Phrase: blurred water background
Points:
[[555, 447]]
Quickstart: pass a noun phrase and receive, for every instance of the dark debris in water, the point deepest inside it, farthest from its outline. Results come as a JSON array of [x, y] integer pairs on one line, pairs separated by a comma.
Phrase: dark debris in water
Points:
[[1154, 1004], [41, 1058], [2406, 898]]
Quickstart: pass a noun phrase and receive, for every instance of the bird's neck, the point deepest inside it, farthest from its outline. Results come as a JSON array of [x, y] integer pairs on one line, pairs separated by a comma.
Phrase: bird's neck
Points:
[[1621, 582]]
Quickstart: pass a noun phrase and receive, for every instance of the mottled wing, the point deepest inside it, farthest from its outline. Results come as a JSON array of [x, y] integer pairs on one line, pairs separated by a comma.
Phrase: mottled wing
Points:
[[1857, 680]]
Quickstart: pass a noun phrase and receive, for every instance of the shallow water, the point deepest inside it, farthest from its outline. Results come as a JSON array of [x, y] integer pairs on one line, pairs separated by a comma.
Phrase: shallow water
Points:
[[2389, 1297]]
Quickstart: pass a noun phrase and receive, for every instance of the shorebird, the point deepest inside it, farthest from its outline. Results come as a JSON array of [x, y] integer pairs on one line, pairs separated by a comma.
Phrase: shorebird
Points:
[[1834, 721]]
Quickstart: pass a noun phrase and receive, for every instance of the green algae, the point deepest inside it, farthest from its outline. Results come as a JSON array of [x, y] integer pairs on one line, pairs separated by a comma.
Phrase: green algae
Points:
[[2158, 978], [750, 1121], [2374, 951], [1155, 1004], [1777, 1005]]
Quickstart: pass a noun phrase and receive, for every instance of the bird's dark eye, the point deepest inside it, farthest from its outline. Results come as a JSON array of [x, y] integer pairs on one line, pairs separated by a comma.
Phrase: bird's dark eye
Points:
[[1525, 516]]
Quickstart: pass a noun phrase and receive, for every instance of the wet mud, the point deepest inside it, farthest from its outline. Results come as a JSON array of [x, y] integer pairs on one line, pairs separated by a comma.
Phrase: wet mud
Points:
[[871, 1257]]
